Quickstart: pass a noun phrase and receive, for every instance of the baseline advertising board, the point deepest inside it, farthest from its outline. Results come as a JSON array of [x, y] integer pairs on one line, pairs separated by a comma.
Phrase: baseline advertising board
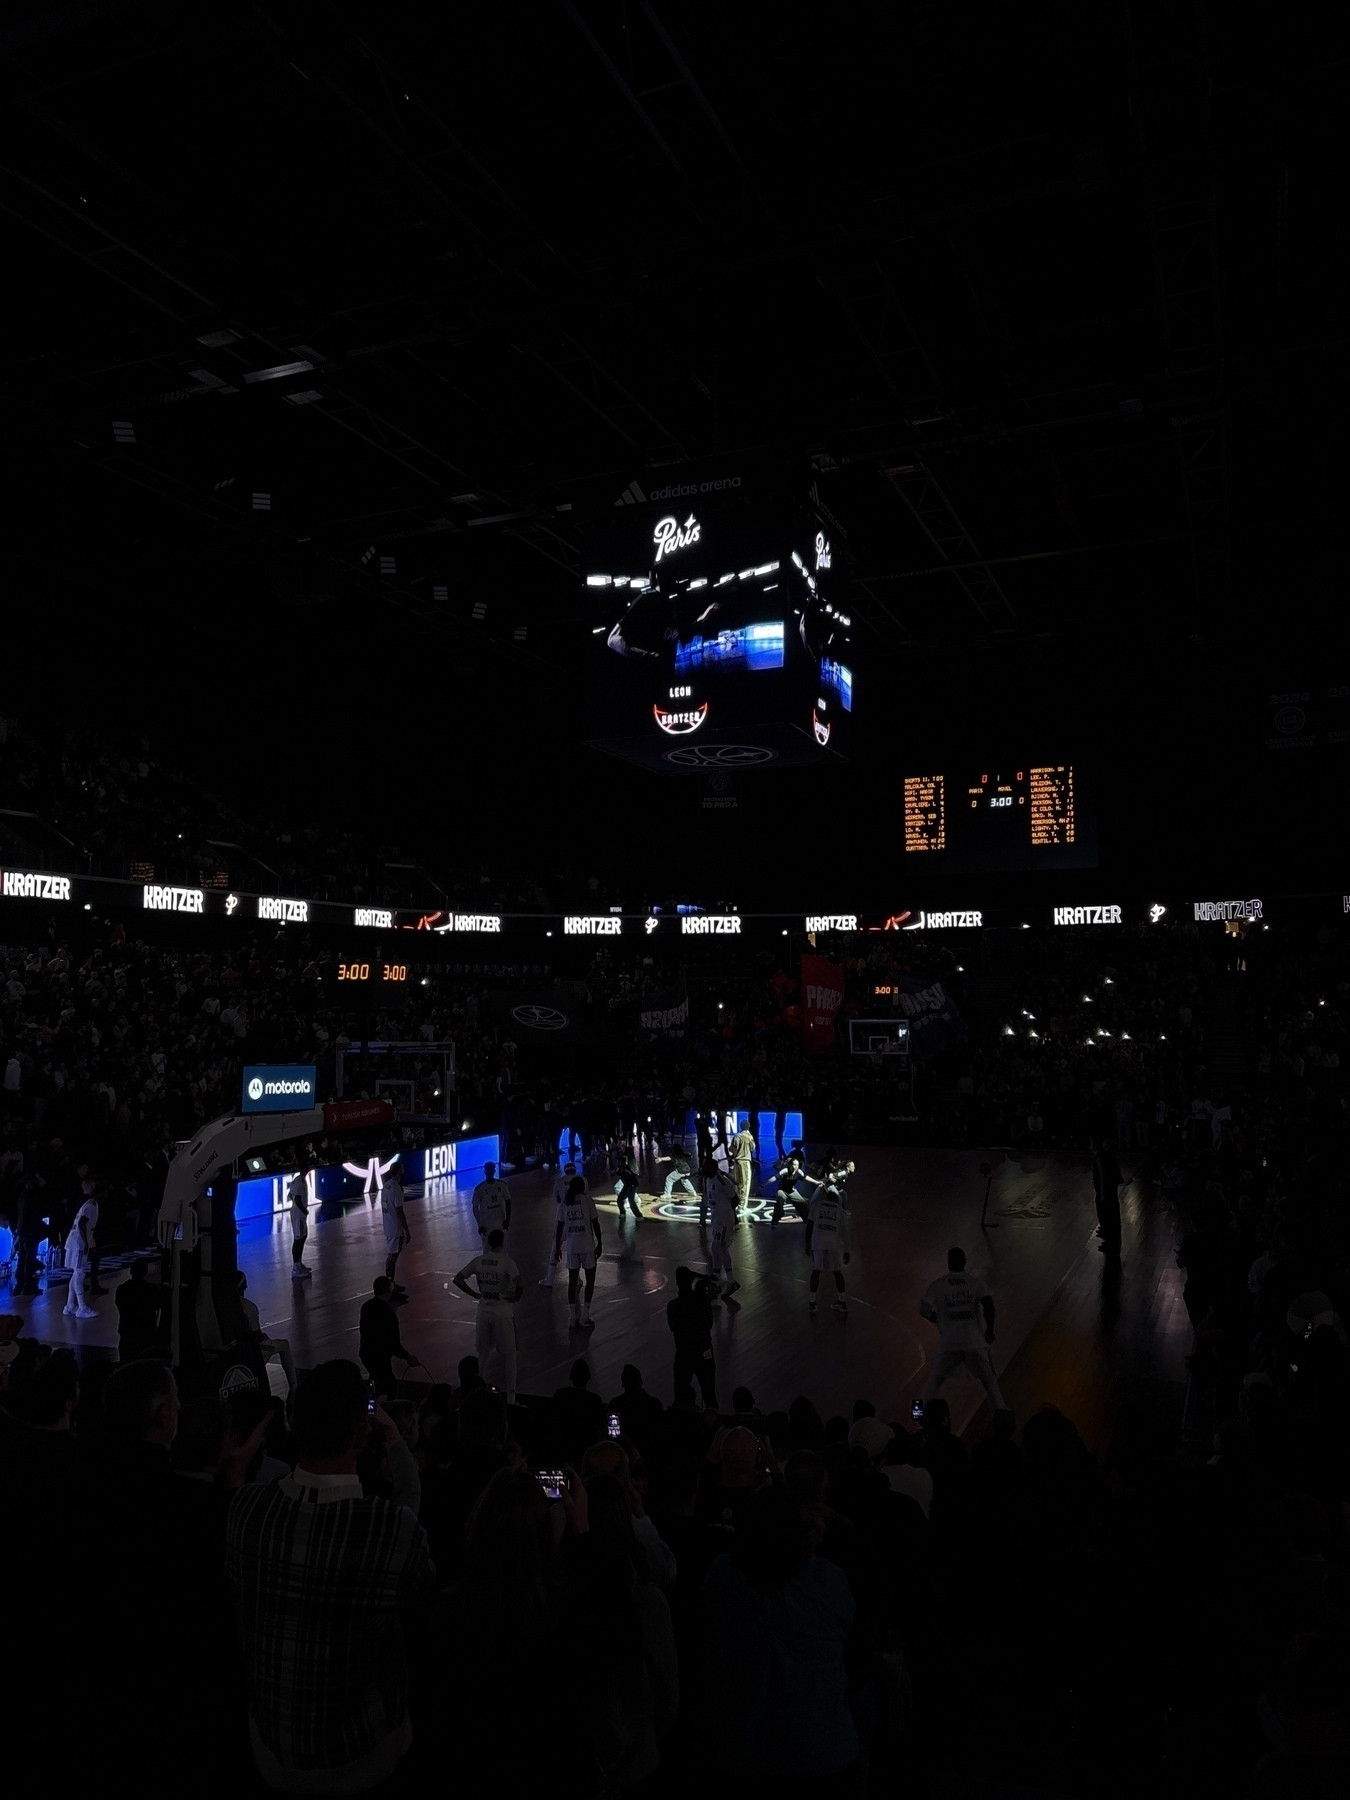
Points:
[[263, 1196]]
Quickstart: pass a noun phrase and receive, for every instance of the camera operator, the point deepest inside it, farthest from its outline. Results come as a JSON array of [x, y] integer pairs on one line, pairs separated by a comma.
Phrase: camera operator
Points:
[[689, 1316]]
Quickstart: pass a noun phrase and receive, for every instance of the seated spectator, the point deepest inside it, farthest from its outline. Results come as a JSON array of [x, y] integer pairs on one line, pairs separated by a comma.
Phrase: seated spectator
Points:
[[611, 1460], [639, 1412], [325, 1583], [732, 1473], [778, 1618], [578, 1415]]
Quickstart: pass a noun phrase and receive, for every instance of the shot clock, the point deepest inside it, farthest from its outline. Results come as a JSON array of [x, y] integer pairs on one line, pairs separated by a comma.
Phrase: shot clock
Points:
[[366, 975]]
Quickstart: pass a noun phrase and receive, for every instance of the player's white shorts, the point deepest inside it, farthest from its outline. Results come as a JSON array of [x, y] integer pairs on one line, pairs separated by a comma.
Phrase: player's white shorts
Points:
[[826, 1256], [393, 1234], [581, 1259]]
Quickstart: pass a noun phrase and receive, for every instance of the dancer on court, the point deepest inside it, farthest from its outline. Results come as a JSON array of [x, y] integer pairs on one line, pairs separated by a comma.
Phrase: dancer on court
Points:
[[788, 1174], [827, 1243], [578, 1230], [954, 1303], [497, 1292], [626, 1185]]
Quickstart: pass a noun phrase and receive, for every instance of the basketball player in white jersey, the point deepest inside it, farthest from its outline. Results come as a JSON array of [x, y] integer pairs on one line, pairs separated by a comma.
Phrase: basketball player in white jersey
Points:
[[827, 1243], [492, 1204], [297, 1193], [956, 1302], [578, 1235], [396, 1233], [560, 1187], [497, 1292], [725, 1222]]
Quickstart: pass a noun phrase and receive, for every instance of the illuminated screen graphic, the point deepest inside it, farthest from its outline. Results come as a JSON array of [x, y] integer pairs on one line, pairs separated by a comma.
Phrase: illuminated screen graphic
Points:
[[717, 618], [1019, 816]]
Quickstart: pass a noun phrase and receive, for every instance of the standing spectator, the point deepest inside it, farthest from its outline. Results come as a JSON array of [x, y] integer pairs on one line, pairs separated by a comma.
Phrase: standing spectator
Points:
[[140, 1312], [1106, 1182], [324, 1582], [689, 1318], [379, 1339], [267, 1346]]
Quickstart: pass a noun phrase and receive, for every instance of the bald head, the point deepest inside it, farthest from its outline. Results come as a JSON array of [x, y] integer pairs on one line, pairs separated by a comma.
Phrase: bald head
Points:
[[740, 1449]]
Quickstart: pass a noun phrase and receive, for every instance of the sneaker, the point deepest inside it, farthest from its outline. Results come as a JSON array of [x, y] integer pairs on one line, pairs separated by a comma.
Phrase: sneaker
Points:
[[68, 1312], [544, 1281], [731, 1288], [86, 1312], [587, 1322], [300, 1273], [839, 1306]]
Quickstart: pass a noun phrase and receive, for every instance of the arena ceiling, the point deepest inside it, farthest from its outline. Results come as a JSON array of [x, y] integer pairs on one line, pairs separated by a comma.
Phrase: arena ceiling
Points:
[[1052, 297]]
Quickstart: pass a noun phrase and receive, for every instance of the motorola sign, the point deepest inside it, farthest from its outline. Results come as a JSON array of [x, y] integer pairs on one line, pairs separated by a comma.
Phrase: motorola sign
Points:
[[279, 1087]]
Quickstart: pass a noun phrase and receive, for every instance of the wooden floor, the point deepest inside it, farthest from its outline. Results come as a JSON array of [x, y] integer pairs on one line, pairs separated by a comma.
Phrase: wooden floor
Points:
[[1067, 1332]]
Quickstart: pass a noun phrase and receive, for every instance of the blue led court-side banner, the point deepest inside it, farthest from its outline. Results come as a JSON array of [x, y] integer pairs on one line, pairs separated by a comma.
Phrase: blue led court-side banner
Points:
[[435, 1168]]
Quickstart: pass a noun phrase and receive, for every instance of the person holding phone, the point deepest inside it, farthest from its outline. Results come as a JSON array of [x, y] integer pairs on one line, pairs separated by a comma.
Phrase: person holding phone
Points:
[[498, 1290], [578, 1231]]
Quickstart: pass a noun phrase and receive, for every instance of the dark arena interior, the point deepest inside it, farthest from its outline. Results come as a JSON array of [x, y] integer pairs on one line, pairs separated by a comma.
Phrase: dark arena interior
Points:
[[674, 899]]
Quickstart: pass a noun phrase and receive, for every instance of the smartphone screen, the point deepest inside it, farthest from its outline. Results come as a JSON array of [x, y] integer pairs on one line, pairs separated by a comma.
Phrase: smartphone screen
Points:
[[613, 1425], [917, 1409], [371, 1400], [553, 1481]]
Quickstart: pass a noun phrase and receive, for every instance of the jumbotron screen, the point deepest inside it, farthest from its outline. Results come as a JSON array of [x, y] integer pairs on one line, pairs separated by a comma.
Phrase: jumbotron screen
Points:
[[718, 640], [990, 816]]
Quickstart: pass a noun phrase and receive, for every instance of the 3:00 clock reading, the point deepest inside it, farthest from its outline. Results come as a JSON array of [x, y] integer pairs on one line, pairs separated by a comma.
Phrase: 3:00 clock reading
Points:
[[379, 972]]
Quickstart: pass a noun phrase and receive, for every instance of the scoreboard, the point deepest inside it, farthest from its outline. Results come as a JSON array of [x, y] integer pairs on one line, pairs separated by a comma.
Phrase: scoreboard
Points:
[[970, 818], [369, 975]]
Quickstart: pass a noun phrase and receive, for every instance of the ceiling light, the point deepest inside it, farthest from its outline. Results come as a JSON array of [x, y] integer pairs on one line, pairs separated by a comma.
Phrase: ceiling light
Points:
[[277, 371]]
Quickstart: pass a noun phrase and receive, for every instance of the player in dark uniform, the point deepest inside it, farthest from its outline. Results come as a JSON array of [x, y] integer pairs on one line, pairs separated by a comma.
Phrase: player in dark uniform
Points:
[[790, 1172]]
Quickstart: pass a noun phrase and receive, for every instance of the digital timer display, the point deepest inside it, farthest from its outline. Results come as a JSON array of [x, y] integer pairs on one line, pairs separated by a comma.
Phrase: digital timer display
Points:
[[371, 974]]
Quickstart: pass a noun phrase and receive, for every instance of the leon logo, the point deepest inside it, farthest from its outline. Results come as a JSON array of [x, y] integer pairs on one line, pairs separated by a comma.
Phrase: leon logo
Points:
[[670, 536], [255, 1089]]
